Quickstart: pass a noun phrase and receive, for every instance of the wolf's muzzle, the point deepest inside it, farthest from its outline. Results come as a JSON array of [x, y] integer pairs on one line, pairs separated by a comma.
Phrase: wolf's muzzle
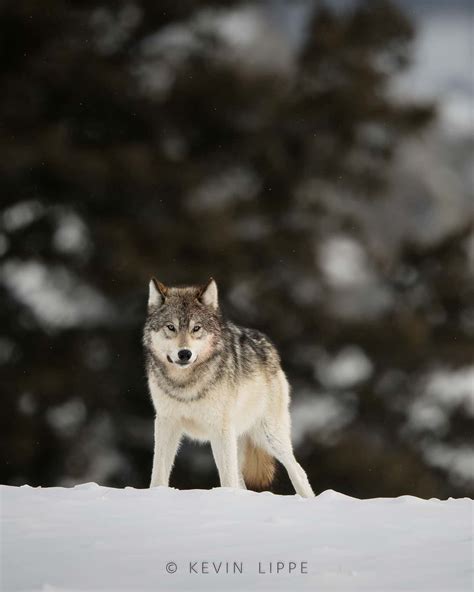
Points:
[[184, 355]]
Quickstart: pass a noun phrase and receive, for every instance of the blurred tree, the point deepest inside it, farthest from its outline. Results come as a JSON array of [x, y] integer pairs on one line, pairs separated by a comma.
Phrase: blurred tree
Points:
[[138, 139]]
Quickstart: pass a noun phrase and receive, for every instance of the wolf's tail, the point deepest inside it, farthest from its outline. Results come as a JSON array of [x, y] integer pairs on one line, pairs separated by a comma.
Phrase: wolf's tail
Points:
[[258, 467]]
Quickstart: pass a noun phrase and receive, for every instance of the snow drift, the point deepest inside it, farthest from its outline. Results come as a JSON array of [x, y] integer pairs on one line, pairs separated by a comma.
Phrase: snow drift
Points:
[[97, 538]]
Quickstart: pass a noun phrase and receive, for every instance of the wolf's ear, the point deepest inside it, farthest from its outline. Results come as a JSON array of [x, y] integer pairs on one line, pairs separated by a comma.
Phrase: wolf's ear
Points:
[[208, 294], [157, 293]]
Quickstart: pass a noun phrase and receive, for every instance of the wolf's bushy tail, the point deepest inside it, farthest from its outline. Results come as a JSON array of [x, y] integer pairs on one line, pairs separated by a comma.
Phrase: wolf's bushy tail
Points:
[[258, 468]]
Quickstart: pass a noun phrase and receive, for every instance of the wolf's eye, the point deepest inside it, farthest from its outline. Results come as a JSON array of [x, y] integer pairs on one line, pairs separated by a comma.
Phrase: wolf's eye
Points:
[[196, 328], [170, 327]]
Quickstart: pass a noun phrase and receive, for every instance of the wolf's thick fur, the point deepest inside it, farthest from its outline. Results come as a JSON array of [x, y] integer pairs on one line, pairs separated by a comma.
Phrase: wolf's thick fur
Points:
[[258, 466], [214, 381]]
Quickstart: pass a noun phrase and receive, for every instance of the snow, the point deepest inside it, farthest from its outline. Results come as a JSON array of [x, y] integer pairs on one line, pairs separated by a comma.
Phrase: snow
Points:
[[56, 296], [97, 538], [348, 367], [320, 415]]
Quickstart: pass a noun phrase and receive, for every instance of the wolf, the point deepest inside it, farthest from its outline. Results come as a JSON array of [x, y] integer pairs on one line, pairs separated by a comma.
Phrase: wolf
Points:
[[217, 382]]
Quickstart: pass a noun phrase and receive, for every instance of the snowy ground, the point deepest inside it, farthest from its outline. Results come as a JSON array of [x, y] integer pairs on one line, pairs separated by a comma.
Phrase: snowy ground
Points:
[[97, 538]]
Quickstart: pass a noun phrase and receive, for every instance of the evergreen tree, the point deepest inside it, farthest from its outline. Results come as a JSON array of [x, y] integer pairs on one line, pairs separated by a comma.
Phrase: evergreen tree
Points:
[[135, 142]]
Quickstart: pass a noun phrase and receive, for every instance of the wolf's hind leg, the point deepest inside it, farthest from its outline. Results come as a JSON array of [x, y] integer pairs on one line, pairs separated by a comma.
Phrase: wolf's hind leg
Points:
[[278, 443]]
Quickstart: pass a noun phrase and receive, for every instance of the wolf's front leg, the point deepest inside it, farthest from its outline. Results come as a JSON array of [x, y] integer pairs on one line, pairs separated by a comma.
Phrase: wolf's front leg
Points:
[[167, 437], [224, 450]]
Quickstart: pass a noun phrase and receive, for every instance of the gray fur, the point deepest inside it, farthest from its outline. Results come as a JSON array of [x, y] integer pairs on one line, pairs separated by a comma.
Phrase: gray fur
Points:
[[238, 351], [212, 380]]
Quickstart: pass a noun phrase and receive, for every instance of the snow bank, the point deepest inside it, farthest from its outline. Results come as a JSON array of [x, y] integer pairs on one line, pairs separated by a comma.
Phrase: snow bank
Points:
[[97, 538]]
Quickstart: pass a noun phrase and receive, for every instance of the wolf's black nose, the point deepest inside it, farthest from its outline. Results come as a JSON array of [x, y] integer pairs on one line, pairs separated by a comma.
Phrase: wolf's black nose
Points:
[[184, 354]]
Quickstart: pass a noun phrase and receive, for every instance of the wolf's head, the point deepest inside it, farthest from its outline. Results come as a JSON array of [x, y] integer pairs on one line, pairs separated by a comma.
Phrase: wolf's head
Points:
[[183, 325]]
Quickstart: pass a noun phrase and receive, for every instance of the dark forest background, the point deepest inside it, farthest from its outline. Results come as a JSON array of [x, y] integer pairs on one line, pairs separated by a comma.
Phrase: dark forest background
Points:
[[264, 144]]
